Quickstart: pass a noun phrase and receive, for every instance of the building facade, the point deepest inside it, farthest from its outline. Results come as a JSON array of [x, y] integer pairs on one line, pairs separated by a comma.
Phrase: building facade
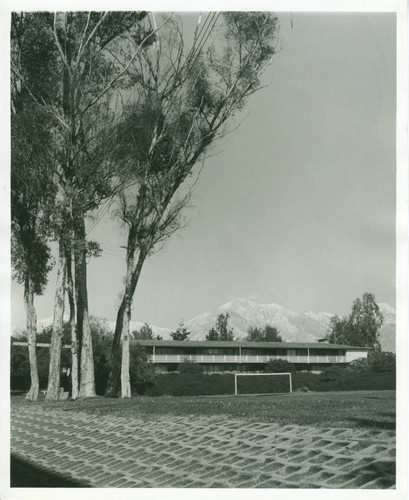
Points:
[[220, 356]]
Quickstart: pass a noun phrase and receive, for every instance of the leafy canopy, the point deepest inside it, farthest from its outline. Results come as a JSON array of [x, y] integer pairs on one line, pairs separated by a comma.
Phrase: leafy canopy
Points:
[[181, 333], [221, 330], [267, 334], [145, 333], [361, 327]]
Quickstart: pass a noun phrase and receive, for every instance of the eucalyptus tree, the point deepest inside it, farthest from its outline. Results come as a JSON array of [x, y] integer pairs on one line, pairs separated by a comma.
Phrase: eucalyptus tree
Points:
[[182, 101], [90, 53], [32, 192]]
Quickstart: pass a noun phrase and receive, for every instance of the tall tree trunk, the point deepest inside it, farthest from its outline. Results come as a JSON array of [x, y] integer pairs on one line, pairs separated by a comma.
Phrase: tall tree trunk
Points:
[[73, 329], [116, 351], [114, 374], [31, 318], [87, 376], [130, 264], [53, 389], [125, 379]]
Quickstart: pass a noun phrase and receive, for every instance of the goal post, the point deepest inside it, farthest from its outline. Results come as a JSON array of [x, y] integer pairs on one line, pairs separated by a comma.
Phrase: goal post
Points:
[[236, 375]]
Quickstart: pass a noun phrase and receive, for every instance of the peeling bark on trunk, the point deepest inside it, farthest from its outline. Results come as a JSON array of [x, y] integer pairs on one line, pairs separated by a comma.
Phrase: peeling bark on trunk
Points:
[[114, 380], [53, 389], [73, 329], [87, 384], [125, 379], [31, 317], [87, 376]]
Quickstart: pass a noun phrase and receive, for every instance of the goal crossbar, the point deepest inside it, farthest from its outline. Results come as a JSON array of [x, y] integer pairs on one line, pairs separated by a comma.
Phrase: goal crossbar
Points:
[[236, 375]]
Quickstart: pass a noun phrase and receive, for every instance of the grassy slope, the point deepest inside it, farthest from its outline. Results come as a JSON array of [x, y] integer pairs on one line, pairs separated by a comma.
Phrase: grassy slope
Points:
[[358, 409]]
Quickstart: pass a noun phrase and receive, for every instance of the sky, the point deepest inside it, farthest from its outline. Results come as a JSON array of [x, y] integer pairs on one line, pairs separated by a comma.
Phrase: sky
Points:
[[297, 205]]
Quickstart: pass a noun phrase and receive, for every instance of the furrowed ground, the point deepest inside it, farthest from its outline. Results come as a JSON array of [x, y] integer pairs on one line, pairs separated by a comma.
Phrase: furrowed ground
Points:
[[299, 440]]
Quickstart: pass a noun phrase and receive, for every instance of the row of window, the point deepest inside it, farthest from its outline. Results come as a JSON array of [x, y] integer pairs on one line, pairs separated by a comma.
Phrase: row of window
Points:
[[245, 351]]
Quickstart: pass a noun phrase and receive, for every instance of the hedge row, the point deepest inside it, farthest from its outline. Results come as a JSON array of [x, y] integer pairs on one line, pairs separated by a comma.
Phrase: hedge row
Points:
[[199, 384], [191, 384]]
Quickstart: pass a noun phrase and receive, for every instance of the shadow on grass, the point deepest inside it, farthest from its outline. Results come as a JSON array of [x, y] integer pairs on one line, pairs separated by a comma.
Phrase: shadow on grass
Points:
[[370, 423], [25, 474]]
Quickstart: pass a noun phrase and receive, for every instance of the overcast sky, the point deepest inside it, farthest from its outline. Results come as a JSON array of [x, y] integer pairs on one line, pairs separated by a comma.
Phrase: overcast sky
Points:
[[297, 207]]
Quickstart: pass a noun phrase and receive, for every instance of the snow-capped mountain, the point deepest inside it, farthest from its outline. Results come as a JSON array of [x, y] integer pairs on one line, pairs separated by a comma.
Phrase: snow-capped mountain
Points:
[[293, 326], [244, 313]]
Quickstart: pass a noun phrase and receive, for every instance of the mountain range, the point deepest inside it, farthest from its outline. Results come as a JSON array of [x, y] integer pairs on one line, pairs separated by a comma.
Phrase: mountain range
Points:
[[293, 326]]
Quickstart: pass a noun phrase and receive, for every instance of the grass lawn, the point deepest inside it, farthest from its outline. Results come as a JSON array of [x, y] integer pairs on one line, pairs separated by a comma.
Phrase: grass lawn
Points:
[[353, 409]]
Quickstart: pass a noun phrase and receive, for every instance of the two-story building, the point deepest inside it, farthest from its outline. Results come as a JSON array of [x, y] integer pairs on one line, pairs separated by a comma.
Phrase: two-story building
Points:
[[217, 356]]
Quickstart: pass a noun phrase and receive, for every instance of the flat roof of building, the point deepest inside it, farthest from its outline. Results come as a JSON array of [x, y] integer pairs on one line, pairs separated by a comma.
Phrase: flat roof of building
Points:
[[219, 343]]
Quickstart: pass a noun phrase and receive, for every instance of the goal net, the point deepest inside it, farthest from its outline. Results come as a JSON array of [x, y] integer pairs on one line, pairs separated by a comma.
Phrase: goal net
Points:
[[262, 383]]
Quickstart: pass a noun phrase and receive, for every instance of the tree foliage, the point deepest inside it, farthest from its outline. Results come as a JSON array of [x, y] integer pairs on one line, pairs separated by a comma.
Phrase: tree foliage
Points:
[[221, 330], [181, 102], [279, 366], [377, 361], [213, 334], [267, 334], [32, 192], [181, 333], [382, 361], [70, 66], [361, 327], [145, 333], [141, 369]]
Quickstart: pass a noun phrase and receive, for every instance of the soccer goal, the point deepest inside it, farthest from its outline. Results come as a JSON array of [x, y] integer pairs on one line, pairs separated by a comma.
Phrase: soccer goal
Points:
[[247, 385]]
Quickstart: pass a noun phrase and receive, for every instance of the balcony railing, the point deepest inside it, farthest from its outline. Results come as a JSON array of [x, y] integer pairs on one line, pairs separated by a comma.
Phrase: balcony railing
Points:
[[220, 358]]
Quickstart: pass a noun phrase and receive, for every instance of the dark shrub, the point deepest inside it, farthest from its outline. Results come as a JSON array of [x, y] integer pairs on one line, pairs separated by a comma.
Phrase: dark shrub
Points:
[[263, 384], [189, 367], [191, 384], [141, 370], [360, 365], [153, 390], [185, 384], [333, 373], [382, 361], [19, 367], [279, 366]]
